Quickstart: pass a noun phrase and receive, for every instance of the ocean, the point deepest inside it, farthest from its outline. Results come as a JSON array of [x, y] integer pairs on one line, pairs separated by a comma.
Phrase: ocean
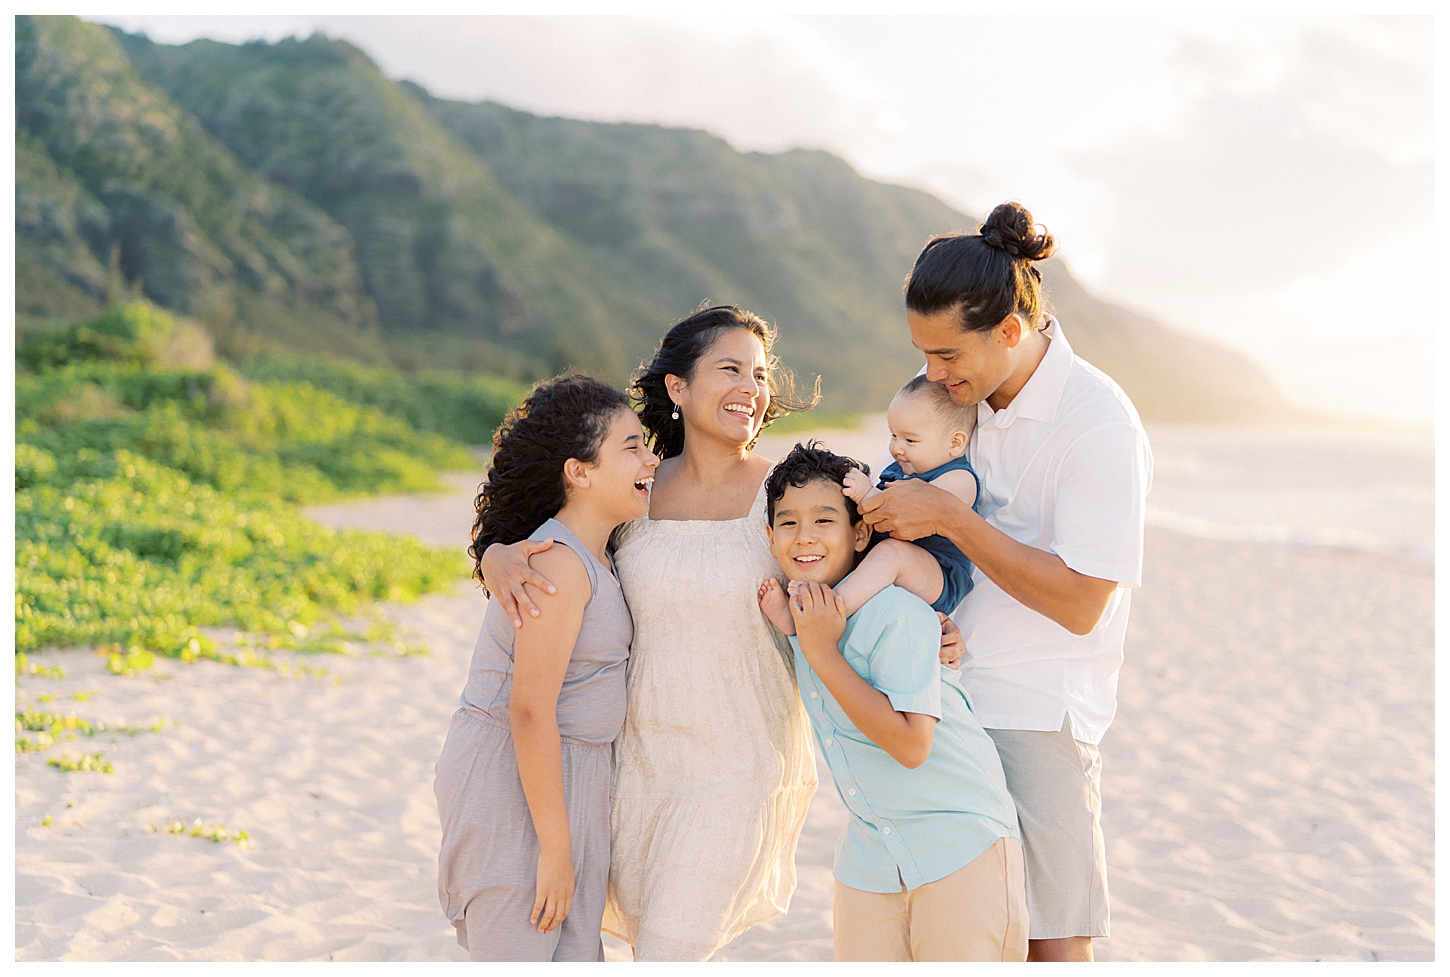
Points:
[[1365, 489]]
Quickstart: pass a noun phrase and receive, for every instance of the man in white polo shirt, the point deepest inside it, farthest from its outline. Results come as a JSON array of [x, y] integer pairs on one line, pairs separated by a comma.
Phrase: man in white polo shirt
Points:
[[1064, 467]]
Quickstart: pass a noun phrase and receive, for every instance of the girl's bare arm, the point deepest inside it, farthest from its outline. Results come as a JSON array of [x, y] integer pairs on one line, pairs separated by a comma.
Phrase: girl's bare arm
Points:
[[541, 655]]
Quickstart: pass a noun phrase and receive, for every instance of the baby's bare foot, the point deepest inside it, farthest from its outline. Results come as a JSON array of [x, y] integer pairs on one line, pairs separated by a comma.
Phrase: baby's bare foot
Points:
[[773, 604]]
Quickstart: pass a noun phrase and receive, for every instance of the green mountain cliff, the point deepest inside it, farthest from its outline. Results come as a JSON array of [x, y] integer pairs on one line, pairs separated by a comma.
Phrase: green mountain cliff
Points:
[[292, 192]]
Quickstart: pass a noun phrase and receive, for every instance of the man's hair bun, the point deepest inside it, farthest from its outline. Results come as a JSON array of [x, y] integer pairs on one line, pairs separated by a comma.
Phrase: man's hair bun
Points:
[[1009, 228]]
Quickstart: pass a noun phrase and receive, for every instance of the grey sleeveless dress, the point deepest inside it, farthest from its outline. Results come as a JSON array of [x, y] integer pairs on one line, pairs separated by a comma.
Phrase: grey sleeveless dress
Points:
[[488, 863]]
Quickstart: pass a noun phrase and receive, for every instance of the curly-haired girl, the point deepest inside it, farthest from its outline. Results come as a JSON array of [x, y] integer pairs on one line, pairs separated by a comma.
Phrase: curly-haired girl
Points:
[[523, 780]]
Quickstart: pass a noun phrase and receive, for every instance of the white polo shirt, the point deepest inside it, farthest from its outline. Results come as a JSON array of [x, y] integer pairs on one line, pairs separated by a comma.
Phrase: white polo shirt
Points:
[[1065, 467]]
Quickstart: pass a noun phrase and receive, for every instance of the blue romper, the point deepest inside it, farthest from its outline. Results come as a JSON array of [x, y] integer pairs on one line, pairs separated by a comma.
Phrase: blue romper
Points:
[[956, 569]]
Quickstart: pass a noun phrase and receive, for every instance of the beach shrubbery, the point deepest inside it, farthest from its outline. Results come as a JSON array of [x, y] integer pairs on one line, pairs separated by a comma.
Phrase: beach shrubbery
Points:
[[466, 407], [152, 499]]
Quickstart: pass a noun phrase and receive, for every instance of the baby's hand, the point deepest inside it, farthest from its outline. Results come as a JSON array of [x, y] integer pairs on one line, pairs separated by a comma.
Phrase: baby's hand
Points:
[[856, 484]]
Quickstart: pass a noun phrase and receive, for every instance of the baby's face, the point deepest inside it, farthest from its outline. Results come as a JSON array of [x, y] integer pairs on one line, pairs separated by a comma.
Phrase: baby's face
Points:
[[920, 439]]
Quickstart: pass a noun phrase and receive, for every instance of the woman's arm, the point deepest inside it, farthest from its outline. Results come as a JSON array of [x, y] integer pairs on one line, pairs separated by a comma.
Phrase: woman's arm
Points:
[[507, 570], [541, 655], [820, 621]]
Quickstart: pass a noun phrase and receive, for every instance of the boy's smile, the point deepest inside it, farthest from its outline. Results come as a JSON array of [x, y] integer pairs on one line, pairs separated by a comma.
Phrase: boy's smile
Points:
[[812, 537]]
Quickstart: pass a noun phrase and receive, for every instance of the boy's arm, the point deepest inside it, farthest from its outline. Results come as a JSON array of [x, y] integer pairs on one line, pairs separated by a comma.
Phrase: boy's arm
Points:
[[820, 621], [541, 655]]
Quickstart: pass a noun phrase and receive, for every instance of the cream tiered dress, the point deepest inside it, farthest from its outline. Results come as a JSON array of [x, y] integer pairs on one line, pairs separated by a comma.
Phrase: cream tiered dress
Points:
[[713, 769]]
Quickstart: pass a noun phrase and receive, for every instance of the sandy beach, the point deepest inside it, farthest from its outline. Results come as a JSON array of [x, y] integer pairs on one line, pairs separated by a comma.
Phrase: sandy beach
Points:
[[1268, 781]]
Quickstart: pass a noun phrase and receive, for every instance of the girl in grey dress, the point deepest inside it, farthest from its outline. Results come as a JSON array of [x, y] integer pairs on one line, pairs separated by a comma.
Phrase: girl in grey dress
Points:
[[523, 780]]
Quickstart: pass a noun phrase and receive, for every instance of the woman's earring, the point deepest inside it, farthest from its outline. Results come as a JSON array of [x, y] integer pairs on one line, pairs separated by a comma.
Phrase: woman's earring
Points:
[[676, 414]]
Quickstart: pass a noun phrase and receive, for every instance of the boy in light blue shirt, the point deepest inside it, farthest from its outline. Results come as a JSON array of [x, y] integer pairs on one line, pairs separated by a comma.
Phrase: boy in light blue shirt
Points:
[[929, 866]]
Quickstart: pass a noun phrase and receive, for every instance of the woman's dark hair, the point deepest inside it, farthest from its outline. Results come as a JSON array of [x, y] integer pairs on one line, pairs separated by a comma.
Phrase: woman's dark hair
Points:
[[806, 463], [679, 352], [566, 417], [983, 277]]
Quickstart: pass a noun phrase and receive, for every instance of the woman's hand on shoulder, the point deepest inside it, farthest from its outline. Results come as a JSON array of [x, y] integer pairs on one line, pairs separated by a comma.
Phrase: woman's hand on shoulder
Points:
[[573, 591], [509, 571]]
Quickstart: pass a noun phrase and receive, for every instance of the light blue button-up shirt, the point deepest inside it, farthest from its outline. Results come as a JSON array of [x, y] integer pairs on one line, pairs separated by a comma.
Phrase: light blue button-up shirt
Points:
[[907, 826]]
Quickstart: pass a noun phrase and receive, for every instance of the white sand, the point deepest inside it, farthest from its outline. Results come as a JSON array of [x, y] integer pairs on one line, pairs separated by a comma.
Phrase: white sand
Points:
[[1267, 783]]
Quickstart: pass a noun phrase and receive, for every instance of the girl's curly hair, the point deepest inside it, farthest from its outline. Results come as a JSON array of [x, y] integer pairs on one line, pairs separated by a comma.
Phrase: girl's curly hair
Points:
[[566, 417], [680, 351]]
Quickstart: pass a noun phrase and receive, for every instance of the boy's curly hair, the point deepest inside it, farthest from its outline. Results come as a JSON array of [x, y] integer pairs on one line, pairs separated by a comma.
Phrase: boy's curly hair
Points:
[[566, 417], [806, 463]]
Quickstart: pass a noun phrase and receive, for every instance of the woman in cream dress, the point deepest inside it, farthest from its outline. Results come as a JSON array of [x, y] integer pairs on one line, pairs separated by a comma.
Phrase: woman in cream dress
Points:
[[713, 770]]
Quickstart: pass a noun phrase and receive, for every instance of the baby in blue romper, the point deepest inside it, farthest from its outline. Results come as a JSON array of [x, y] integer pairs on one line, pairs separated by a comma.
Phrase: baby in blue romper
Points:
[[929, 436]]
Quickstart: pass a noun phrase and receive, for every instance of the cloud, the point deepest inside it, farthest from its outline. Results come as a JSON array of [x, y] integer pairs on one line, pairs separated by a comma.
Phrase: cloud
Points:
[[762, 83], [1282, 163]]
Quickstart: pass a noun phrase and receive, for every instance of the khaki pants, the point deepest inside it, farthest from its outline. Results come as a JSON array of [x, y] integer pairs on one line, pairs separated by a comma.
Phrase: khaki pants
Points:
[[977, 913]]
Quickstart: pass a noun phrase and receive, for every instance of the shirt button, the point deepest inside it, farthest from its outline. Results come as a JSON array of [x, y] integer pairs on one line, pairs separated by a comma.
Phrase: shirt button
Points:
[[852, 792], [886, 831], [829, 742], [813, 695]]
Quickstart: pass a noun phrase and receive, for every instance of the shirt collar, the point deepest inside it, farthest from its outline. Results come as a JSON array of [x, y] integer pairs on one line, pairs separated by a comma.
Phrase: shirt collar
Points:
[[1040, 395]]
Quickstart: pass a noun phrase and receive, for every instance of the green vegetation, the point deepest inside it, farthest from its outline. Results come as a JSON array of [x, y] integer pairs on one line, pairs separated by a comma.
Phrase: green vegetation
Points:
[[152, 499], [461, 274], [85, 763], [216, 832], [24, 666], [465, 407], [52, 726], [118, 186]]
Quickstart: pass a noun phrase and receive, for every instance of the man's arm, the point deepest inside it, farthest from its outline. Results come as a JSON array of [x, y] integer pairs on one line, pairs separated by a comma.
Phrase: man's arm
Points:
[[1098, 505], [1035, 578]]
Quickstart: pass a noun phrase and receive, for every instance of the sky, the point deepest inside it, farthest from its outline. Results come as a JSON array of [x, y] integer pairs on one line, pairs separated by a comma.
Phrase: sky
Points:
[[1264, 181]]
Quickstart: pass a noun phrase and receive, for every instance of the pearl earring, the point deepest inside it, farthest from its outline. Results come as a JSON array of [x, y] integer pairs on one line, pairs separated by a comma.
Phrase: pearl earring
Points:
[[676, 414]]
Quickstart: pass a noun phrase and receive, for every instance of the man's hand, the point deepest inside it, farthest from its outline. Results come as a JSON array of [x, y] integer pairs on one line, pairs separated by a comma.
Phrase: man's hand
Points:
[[910, 509], [952, 645], [819, 615]]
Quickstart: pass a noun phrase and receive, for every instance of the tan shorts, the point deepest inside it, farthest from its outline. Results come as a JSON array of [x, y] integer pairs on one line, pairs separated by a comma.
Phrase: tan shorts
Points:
[[1055, 782], [978, 913]]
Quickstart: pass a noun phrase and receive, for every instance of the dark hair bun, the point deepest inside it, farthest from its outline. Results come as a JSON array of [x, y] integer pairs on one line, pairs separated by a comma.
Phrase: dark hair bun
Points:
[[1009, 228]]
